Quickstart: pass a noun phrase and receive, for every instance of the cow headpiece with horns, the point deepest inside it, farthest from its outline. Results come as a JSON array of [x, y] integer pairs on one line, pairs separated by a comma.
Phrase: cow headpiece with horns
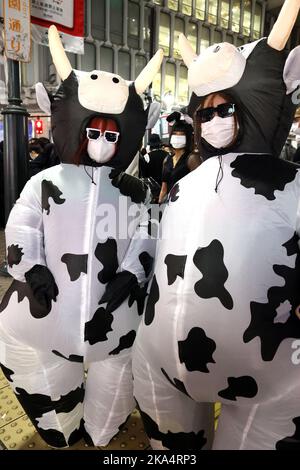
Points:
[[260, 78], [85, 95]]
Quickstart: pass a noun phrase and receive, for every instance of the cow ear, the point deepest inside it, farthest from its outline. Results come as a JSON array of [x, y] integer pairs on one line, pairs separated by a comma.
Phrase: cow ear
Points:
[[43, 98], [291, 72], [153, 114]]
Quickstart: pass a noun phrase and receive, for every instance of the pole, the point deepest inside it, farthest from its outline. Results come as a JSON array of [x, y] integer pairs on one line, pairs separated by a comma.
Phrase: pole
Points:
[[15, 139]]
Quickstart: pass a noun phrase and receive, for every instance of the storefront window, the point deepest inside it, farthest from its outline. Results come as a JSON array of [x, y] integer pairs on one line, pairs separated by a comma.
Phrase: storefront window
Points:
[[239, 42], [88, 61], [183, 94], [204, 38], [133, 25], [212, 11], [156, 86], [170, 82], [236, 14], [187, 7], [106, 59], [257, 21], [179, 28], [164, 33], [229, 38], [124, 65], [158, 2], [200, 9], [116, 21], [147, 28], [192, 35], [140, 63], [173, 4], [247, 17], [98, 20], [217, 37], [225, 13]]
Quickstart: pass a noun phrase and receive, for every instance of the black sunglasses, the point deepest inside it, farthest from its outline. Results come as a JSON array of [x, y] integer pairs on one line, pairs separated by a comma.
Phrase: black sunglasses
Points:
[[223, 110]]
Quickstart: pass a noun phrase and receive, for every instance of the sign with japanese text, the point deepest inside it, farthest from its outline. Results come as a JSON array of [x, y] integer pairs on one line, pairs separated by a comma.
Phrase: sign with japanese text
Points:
[[68, 17], [17, 29]]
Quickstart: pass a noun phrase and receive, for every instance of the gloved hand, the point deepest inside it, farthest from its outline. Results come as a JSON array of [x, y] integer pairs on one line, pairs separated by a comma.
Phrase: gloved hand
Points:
[[42, 284], [129, 185], [118, 289]]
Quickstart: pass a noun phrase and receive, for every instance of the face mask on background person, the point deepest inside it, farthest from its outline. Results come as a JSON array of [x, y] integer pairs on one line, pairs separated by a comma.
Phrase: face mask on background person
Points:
[[218, 132], [100, 150], [178, 141]]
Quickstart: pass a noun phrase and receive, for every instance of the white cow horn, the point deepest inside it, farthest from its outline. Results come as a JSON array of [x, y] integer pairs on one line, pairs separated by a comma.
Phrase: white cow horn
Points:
[[148, 73], [284, 24], [60, 59], [186, 50]]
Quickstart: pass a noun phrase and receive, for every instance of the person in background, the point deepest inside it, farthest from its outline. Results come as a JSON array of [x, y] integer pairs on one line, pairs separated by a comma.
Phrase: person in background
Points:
[[42, 156], [176, 166], [151, 163]]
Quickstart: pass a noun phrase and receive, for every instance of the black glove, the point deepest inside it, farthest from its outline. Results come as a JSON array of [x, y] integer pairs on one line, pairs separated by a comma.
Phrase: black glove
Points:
[[118, 289], [42, 284], [129, 185]]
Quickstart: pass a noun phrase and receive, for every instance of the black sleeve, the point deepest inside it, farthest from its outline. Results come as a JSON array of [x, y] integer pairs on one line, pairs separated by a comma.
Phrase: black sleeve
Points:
[[166, 170]]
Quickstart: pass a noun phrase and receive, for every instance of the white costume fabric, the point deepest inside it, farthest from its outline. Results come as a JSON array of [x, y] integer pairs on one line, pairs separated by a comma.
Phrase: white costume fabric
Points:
[[79, 251], [222, 318]]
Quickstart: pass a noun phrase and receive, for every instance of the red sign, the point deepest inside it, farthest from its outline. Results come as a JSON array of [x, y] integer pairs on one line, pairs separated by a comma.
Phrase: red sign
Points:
[[68, 17], [38, 126]]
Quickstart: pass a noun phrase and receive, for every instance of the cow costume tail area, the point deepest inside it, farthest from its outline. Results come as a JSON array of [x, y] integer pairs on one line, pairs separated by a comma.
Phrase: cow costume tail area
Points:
[[80, 254], [221, 322]]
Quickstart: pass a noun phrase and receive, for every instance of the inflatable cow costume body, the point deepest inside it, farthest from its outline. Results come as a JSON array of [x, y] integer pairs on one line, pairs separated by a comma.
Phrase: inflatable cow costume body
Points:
[[223, 306], [77, 249]]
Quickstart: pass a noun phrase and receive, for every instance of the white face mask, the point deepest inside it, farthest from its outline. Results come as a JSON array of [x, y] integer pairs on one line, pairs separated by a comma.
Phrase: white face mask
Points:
[[178, 141], [100, 150], [218, 132]]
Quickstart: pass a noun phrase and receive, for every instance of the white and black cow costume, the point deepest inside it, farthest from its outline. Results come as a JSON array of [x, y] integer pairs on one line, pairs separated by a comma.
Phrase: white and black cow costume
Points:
[[221, 320], [65, 310]]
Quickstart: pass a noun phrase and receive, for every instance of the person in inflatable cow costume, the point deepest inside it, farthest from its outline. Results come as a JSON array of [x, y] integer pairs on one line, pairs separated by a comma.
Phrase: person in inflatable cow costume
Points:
[[223, 306], [77, 249]]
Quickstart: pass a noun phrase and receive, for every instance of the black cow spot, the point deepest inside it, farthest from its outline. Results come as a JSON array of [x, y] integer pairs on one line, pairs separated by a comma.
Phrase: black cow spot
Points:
[[209, 261], [76, 264], [107, 254], [118, 289], [175, 267], [36, 405], [196, 350], [176, 383], [291, 442], [125, 342], [146, 261], [23, 290], [7, 372], [71, 358], [244, 386], [138, 294], [152, 300], [291, 246], [171, 440], [174, 193], [262, 322], [264, 173], [97, 328], [14, 255], [50, 190]]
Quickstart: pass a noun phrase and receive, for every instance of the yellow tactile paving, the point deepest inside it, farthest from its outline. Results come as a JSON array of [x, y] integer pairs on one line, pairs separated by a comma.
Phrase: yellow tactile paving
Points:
[[9, 407]]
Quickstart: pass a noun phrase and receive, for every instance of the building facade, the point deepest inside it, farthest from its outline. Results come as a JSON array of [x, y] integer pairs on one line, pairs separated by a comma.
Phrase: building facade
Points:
[[121, 36]]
